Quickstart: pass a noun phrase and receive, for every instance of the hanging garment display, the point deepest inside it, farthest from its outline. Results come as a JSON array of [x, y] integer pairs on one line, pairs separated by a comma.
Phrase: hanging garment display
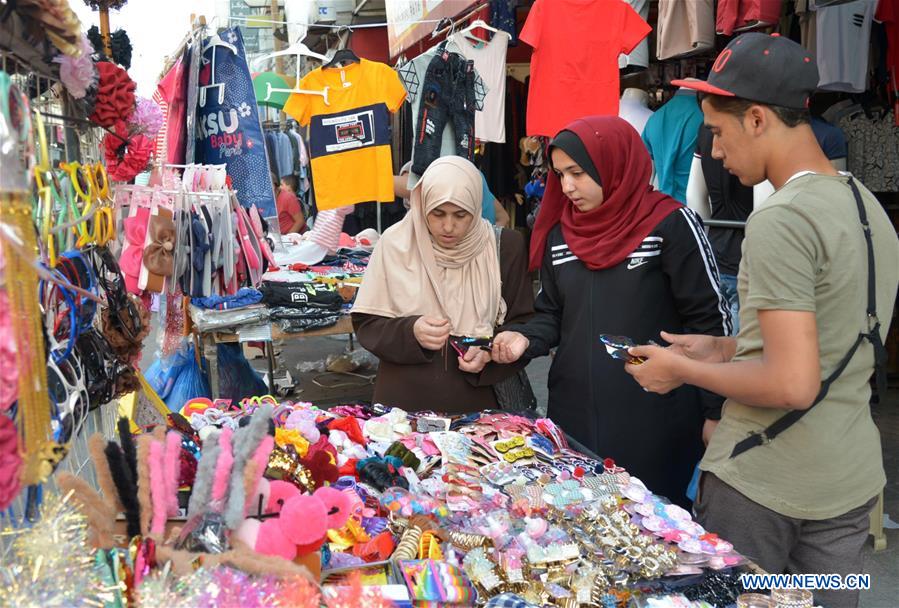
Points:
[[670, 136], [229, 130], [639, 57], [194, 233], [808, 26], [502, 16], [349, 131], [685, 28], [873, 149], [446, 89], [888, 14], [171, 95], [843, 40], [743, 15], [574, 68], [489, 59]]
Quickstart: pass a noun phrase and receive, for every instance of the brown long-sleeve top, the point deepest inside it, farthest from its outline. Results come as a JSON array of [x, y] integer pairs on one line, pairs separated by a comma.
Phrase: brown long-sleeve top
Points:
[[413, 378]]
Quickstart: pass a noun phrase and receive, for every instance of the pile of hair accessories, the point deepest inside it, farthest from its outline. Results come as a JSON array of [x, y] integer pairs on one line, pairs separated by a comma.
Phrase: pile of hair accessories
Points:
[[285, 500]]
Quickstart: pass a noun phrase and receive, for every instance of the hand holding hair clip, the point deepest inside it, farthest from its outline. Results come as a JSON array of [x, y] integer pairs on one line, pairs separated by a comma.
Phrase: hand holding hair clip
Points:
[[461, 344], [617, 347]]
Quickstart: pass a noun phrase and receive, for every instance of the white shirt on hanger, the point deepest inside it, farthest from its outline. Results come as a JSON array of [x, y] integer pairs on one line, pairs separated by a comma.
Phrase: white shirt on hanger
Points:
[[490, 62], [843, 40]]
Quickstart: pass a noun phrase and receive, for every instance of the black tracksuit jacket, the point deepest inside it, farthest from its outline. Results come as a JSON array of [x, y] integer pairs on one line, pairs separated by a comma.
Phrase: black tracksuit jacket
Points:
[[669, 283]]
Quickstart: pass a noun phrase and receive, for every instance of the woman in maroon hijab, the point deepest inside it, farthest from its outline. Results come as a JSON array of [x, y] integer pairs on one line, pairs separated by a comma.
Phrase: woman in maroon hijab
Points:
[[617, 257]]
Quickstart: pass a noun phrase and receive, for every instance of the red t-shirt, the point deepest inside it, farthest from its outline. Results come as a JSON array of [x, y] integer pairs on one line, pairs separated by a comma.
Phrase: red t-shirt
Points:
[[574, 68], [736, 14], [888, 14], [288, 206]]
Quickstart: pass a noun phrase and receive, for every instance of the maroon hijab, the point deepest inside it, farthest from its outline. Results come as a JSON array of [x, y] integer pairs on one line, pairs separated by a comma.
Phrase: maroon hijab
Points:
[[631, 208]]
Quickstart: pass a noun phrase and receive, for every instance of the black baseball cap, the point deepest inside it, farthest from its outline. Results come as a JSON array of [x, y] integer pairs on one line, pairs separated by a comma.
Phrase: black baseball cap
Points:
[[764, 68]]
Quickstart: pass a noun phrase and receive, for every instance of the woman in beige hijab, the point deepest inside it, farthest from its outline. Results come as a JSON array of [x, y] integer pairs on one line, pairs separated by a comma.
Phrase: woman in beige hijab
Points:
[[436, 276]]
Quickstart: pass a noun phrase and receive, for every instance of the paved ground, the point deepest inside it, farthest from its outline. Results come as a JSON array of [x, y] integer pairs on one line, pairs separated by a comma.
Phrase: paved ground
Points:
[[883, 566]]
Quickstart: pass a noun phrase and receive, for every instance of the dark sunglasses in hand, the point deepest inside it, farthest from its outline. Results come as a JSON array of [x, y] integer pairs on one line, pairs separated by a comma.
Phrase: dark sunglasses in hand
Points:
[[461, 344]]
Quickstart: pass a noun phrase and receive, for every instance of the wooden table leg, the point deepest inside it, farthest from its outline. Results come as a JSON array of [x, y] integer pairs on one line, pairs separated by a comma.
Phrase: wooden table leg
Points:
[[211, 351], [270, 355]]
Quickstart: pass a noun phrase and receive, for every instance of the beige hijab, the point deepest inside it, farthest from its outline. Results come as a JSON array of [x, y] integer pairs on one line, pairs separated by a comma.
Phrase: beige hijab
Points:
[[411, 274]]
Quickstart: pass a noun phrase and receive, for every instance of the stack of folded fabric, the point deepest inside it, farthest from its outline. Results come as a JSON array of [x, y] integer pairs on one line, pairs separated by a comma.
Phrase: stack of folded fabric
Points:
[[300, 306]]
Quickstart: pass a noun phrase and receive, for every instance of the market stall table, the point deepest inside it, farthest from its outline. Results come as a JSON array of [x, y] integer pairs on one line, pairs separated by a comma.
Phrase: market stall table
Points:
[[266, 333]]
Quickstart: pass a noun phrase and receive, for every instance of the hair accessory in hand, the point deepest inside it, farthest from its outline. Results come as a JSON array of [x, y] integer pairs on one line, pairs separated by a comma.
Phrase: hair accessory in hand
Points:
[[617, 347]]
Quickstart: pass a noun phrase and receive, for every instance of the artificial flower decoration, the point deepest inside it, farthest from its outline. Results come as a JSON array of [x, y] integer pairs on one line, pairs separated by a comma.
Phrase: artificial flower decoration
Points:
[[147, 118], [115, 95], [9, 365], [10, 462], [126, 155], [77, 72]]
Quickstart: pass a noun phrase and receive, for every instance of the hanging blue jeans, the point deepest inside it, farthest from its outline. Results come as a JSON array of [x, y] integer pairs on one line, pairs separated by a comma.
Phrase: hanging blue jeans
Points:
[[448, 91]]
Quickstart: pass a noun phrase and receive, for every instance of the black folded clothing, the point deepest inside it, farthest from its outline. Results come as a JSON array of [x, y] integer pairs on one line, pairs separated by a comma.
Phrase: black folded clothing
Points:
[[302, 312], [300, 295], [292, 326]]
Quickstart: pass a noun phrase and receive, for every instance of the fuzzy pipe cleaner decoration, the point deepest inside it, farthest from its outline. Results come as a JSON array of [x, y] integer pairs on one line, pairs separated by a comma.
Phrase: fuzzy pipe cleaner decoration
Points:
[[246, 440], [127, 441], [127, 490], [199, 497], [258, 464], [222, 470], [96, 445], [143, 482], [171, 470], [158, 490]]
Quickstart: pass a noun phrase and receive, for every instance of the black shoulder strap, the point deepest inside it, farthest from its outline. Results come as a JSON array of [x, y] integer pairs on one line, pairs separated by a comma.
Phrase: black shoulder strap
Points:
[[873, 336]]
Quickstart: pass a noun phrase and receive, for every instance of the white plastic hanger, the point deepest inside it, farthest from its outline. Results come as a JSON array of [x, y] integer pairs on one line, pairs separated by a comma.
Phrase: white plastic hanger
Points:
[[479, 23], [299, 50], [213, 42]]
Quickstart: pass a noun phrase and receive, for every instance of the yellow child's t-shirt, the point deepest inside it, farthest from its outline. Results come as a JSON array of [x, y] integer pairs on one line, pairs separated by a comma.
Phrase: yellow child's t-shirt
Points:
[[349, 139]]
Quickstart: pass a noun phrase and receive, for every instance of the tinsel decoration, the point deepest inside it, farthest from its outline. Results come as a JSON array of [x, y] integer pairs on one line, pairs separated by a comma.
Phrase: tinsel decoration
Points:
[[50, 564], [228, 587], [212, 588], [33, 416]]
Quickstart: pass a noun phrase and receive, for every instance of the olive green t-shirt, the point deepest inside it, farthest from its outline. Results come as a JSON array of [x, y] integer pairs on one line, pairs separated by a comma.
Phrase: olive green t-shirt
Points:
[[804, 250]]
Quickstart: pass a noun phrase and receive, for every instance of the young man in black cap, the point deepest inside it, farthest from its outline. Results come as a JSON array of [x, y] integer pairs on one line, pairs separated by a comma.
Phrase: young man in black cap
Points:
[[794, 467]]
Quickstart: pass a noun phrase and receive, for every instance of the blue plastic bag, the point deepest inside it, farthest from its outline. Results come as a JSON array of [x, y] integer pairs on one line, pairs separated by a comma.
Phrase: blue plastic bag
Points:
[[177, 379], [163, 373], [237, 378], [191, 383]]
